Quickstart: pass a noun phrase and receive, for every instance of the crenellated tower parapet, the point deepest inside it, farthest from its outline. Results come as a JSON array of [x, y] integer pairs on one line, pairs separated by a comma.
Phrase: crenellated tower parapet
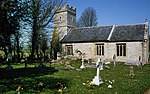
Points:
[[68, 8]]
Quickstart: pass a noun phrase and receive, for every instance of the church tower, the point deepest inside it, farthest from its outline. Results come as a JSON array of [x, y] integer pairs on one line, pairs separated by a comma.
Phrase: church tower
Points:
[[64, 20]]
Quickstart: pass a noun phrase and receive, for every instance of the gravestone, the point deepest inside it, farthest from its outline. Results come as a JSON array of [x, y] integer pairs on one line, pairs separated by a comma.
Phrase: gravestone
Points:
[[89, 61], [9, 66], [140, 62], [114, 58], [131, 70], [97, 79], [58, 56], [82, 66], [9, 56]]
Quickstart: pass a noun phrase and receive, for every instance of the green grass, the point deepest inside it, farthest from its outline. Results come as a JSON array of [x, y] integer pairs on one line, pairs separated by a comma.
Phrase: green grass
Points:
[[73, 80]]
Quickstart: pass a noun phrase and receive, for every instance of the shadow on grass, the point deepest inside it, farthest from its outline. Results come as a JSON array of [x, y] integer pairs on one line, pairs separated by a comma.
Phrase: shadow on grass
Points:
[[25, 72], [32, 80], [34, 84]]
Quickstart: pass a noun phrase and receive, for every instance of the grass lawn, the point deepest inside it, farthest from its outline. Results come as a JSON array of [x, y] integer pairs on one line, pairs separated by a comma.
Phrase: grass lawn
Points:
[[77, 81]]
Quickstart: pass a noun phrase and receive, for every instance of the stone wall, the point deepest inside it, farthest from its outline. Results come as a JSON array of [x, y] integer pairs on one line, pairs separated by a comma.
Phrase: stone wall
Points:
[[133, 51]]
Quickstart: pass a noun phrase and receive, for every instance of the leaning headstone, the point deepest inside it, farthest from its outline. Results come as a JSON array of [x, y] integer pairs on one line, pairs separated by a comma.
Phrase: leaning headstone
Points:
[[97, 79], [114, 58], [82, 66]]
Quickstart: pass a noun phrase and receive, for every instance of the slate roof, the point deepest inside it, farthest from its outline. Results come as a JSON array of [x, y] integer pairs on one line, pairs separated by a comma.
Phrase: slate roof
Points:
[[128, 33], [100, 34]]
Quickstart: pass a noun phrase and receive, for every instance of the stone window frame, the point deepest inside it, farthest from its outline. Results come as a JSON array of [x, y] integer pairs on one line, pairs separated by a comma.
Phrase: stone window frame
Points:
[[121, 49], [69, 49], [100, 49]]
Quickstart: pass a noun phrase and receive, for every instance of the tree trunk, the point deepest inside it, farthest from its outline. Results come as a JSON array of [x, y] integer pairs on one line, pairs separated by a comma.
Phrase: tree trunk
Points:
[[55, 54], [18, 48], [14, 51], [33, 45], [34, 32], [37, 54], [44, 54], [5, 50]]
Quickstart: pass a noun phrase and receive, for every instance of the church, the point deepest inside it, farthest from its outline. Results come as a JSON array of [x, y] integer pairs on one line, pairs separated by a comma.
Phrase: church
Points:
[[129, 43]]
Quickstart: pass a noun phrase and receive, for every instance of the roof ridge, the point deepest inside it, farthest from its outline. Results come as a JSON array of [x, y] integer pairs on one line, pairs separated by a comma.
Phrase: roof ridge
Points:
[[130, 24], [91, 27], [107, 25]]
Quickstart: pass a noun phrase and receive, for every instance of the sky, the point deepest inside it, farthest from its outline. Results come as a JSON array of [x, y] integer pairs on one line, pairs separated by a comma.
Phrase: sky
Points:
[[110, 12]]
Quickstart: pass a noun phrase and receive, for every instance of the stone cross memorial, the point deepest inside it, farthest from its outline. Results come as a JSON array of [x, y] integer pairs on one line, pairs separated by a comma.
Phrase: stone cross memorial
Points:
[[97, 79], [82, 66]]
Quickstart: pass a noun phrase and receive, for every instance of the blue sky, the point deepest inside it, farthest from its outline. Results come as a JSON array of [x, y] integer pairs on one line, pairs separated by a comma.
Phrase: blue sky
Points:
[[118, 12]]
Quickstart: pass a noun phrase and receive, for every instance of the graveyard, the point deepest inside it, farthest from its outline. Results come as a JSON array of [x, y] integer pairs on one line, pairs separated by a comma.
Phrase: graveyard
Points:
[[74, 47], [70, 78]]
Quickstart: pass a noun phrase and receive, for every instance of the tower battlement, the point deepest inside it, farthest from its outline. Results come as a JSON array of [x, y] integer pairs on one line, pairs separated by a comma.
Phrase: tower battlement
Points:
[[68, 8]]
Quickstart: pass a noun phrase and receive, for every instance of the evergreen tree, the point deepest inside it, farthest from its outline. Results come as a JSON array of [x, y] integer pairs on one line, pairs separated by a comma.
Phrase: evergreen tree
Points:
[[55, 43]]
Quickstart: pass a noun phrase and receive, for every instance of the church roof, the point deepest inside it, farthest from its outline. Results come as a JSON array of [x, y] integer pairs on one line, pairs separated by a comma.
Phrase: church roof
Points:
[[106, 33], [128, 33]]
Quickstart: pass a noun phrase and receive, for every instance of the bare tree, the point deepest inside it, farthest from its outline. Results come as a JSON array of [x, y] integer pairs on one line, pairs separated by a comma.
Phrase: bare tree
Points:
[[88, 18]]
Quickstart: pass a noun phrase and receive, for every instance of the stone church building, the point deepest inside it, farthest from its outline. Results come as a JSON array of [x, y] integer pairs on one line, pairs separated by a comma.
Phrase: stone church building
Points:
[[129, 43]]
